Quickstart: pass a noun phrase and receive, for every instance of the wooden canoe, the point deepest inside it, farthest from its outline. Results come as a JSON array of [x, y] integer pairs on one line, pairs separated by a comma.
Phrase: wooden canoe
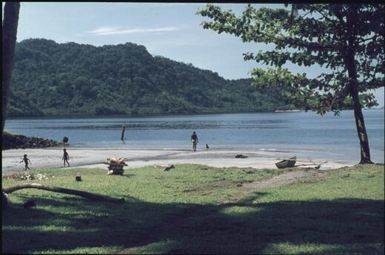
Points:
[[286, 162]]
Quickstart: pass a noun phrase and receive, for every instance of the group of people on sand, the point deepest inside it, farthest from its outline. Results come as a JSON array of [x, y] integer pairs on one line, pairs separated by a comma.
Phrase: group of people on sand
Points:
[[27, 161]]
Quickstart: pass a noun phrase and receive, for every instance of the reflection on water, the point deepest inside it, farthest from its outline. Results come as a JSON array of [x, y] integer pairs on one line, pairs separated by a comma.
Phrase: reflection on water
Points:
[[332, 136]]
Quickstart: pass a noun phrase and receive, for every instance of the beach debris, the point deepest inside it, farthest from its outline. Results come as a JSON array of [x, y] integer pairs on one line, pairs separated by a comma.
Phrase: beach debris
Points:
[[241, 156], [30, 203], [169, 167], [116, 166], [307, 167]]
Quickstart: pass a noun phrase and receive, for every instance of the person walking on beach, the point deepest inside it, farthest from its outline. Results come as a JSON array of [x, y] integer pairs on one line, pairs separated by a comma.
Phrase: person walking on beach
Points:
[[26, 160], [122, 136], [194, 140], [66, 157]]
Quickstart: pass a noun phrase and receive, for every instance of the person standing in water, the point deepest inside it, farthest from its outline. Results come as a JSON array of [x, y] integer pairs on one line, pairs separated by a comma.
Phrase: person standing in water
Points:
[[194, 140], [122, 136], [66, 157], [26, 160]]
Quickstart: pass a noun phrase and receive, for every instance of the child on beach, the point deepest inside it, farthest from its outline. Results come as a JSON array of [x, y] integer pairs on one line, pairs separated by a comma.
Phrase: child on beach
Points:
[[66, 157], [25, 159]]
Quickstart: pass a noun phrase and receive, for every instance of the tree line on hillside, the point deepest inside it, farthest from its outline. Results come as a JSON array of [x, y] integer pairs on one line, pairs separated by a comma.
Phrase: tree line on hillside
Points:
[[52, 79]]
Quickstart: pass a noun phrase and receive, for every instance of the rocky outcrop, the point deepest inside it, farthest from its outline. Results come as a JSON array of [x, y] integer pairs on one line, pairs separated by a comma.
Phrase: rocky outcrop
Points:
[[22, 142]]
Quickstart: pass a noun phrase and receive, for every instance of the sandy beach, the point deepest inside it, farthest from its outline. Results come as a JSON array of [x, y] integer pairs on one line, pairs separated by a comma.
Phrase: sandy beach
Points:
[[94, 158]]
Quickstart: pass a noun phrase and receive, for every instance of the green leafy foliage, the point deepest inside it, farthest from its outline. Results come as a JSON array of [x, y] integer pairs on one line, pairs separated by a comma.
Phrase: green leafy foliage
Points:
[[76, 79], [347, 39]]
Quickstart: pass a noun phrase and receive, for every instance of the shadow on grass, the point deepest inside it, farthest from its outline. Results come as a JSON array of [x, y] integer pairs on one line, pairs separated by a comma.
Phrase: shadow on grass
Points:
[[344, 225]]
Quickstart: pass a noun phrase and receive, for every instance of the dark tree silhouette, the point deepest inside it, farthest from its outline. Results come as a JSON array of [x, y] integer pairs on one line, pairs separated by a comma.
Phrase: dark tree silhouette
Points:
[[10, 21]]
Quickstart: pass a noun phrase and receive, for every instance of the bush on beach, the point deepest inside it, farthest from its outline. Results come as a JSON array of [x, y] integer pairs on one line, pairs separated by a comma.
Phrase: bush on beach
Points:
[[10, 141]]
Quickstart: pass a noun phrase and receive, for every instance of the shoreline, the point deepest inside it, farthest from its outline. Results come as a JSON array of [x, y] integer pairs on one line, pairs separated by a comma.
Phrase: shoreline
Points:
[[90, 116], [94, 157]]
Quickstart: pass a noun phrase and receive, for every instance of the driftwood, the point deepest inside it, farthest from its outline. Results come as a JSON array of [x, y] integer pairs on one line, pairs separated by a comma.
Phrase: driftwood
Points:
[[88, 195], [310, 166]]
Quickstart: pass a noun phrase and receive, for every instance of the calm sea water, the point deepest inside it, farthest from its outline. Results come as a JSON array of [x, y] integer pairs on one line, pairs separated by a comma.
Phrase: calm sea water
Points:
[[302, 133]]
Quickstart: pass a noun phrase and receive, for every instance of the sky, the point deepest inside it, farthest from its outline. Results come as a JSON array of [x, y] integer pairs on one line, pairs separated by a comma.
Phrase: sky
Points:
[[171, 30]]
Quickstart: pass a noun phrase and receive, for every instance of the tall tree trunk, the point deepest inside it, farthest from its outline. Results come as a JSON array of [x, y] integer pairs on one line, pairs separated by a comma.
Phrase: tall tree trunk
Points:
[[10, 21], [360, 123], [354, 92]]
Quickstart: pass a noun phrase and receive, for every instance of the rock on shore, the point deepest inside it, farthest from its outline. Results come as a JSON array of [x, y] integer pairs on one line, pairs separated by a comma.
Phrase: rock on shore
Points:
[[22, 142]]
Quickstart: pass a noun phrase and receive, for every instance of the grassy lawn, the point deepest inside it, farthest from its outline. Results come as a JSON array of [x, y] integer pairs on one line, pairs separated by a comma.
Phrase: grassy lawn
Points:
[[182, 211]]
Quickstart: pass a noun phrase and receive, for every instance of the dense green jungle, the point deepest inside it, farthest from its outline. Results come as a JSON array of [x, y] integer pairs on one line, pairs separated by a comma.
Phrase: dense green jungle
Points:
[[70, 79]]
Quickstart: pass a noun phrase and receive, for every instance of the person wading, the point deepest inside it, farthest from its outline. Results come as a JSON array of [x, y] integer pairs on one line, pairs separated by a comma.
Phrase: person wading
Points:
[[194, 140]]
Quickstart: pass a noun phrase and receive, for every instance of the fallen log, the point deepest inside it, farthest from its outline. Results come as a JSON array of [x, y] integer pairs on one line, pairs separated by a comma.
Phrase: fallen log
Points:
[[85, 194], [310, 166]]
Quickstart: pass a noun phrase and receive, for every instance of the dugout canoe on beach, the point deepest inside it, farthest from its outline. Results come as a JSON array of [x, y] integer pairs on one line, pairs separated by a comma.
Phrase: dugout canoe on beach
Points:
[[286, 162]]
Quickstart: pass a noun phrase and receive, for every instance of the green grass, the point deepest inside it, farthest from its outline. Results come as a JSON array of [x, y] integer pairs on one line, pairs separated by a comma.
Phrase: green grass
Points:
[[182, 211]]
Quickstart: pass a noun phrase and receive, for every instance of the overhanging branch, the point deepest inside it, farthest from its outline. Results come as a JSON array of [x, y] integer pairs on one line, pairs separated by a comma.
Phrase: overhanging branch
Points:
[[88, 195]]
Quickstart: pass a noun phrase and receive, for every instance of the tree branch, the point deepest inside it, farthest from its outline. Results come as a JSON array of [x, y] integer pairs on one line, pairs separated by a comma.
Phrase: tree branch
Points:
[[88, 195]]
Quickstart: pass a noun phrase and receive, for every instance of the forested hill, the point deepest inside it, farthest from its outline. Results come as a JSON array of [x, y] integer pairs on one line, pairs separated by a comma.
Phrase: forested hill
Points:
[[52, 79]]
